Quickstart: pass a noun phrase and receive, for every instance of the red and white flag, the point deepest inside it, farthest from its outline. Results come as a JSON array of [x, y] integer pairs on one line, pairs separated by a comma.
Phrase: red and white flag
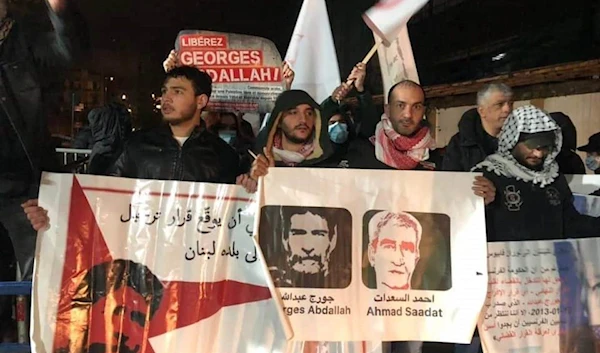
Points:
[[311, 52], [151, 266], [387, 17]]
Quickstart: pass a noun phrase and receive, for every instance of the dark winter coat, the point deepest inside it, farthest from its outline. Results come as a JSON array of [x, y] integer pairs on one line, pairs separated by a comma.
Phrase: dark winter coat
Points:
[[27, 62], [524, 211], [155, 154], [111, 127], [469, 146]]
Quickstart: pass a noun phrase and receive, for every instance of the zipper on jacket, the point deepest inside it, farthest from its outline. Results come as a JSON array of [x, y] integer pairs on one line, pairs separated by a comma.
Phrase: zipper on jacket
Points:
[[180, 162], [177, 170]]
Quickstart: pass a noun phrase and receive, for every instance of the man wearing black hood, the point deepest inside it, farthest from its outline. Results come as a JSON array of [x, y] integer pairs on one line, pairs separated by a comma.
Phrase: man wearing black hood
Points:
[[568, 161], [295, 136], [533, 201]]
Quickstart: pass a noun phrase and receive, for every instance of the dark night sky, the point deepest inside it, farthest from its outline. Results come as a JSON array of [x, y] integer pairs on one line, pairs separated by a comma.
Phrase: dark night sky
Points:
[[127, 34], [131, 38]]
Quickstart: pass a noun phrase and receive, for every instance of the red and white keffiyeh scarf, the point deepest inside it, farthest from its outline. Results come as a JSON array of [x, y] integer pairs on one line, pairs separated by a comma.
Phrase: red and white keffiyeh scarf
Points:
[[401, 152], [290, 158]]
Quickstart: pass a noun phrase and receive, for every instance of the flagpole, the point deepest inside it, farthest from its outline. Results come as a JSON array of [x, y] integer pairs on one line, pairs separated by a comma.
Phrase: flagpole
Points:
[[372, 52], [368, 57]]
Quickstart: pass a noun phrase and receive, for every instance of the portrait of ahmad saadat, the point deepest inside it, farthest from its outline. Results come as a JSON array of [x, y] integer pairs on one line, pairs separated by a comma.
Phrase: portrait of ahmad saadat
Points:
[[307, 247], [406, 251]]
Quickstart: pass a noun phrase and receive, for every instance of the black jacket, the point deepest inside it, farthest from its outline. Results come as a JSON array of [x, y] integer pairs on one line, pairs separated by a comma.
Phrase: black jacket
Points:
[[111, 127], [28, 61], [155, 154], [469, 146], [524, 211], [568, 160]]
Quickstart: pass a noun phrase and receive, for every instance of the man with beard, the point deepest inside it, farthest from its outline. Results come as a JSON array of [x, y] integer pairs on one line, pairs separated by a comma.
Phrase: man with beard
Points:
[[308, 238], [533, 201], [179, 149], [295, 135], [402, 137], [187, 150], [116, 301]]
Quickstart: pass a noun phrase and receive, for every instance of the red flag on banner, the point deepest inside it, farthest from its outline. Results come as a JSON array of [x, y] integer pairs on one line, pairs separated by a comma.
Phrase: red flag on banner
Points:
[[109, 304]]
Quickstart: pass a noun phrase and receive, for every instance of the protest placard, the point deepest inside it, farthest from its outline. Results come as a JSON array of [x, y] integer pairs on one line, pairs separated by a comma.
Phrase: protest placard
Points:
[[245, 70]]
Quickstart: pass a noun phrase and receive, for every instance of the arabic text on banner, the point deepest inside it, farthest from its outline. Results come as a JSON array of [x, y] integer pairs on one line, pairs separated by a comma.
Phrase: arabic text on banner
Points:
[[151, 266]]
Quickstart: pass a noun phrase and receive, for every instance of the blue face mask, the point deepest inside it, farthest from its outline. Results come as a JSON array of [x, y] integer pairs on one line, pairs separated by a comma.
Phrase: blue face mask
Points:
[[338, 132], [591, 162], [228, 136]]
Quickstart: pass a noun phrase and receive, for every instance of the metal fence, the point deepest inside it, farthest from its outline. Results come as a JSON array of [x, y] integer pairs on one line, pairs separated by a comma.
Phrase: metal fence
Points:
[[74, 160]]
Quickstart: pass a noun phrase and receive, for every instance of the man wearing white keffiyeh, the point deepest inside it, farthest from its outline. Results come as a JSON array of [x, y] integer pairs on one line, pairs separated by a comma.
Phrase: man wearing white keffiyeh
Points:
[[533, 200], [528, 145]]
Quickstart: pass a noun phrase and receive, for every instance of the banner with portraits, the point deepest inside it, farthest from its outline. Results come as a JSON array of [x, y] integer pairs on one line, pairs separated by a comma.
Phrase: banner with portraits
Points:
[[151, 266], [544, 296], [379, 255]]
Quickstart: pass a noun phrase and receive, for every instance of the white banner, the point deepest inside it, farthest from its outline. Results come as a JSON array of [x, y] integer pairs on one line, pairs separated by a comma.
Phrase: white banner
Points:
[[151, 266], [544, 296], [397, 61], [311, 52], [379, 255]]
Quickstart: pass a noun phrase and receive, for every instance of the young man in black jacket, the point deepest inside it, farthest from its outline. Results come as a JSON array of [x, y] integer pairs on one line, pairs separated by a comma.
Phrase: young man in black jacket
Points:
[[181, 148], [28, 61]]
